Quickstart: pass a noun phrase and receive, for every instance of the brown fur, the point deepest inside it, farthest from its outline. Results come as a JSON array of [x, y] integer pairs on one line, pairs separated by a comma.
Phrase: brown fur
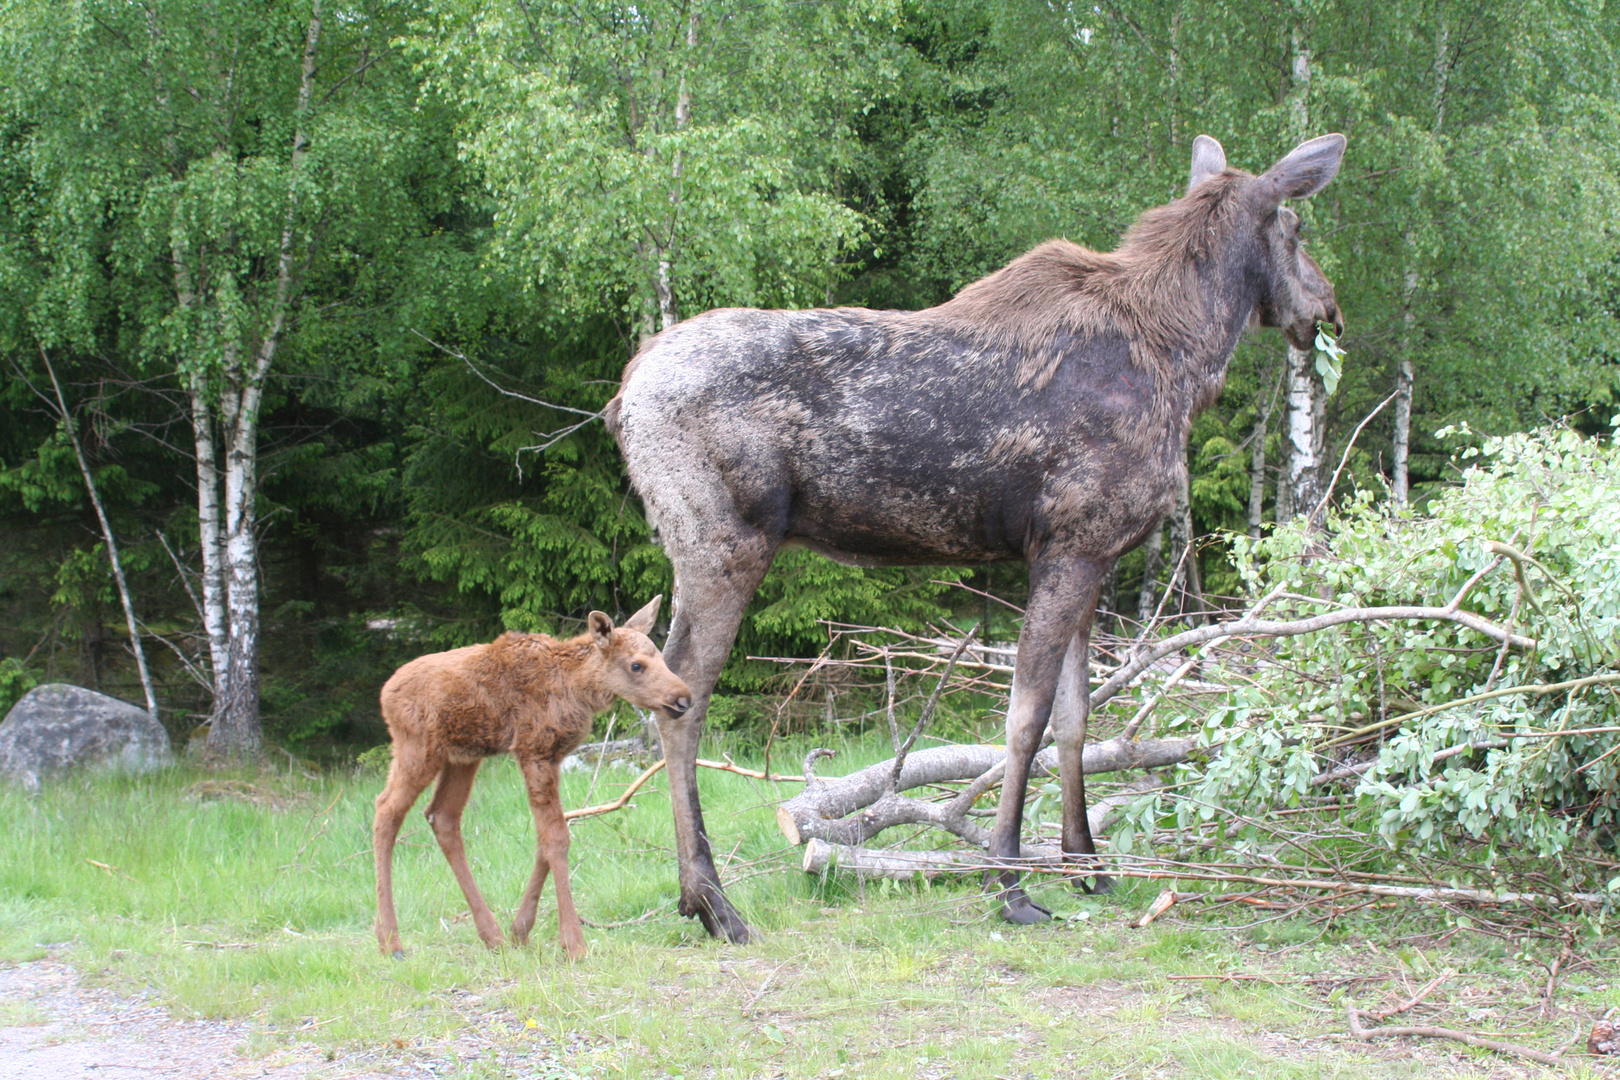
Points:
[[529, 695], [1146, 289], [1041, 414]]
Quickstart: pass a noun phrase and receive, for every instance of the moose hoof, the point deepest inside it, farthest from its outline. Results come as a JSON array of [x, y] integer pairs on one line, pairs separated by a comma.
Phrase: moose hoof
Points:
[[1100, 884], [399, 954], [719, 918], [1018, 908]]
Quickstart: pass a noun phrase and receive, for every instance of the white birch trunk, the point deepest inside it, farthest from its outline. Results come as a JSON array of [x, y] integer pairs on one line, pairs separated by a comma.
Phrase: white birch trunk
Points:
[[663, 287], [236, 729], [211, 542], [1303, 443], [1400, 481], [108, 537], [1405, 377], [1305, 407]]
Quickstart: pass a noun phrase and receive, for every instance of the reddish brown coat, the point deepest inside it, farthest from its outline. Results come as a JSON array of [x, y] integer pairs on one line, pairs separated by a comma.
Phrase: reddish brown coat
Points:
[[529, 695]]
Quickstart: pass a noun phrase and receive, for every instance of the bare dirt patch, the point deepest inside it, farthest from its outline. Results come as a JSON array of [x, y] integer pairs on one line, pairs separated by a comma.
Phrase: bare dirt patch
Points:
[[55, 1027]]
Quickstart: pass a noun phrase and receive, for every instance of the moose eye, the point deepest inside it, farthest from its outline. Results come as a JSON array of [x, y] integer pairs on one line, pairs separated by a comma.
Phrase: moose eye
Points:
[[637, 667]]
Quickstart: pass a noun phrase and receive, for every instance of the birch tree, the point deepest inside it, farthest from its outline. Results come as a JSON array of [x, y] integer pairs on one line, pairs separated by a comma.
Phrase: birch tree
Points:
[[660, 158], [198, 163]]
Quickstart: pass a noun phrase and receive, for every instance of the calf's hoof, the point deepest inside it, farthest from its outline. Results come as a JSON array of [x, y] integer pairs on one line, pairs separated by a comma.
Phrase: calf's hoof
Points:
[[1018, 908], [399, 954]]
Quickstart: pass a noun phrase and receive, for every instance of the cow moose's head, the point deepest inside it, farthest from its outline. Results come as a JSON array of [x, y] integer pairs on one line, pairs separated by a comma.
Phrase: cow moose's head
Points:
[[1294, 293]]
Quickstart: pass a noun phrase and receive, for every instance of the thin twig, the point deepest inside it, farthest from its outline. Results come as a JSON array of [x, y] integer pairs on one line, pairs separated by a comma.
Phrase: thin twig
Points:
[[1316, 515], [1368, 1034], [928, 711]]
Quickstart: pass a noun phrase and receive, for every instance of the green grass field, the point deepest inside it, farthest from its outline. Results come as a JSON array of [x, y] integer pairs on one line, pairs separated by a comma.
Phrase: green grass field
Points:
[[262, 910]]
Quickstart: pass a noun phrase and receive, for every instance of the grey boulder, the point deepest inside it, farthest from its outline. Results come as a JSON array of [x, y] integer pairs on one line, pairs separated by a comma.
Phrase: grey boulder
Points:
[[58, 727]]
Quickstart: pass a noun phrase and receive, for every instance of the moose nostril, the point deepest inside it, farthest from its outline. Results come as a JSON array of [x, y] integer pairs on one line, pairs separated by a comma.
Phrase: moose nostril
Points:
[[683, 703]]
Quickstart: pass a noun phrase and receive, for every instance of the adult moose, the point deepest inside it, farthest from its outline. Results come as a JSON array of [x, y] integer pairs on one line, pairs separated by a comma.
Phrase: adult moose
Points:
[[1041, 414]]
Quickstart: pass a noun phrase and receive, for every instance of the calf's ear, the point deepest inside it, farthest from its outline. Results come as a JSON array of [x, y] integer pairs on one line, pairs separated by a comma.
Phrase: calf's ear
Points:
[[601, 629], [642, 621], [1208, 158], [1307, 169]]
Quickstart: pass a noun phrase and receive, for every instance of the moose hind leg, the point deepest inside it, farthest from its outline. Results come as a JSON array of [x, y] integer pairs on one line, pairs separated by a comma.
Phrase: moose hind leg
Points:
[[1070, 711], [523, 921], [408, 775], [1062, 594], [444, 814], [712, 588]]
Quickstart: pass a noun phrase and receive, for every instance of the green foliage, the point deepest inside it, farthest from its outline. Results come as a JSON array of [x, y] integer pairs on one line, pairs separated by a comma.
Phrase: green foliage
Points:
[[16, 679], [1518, 773]]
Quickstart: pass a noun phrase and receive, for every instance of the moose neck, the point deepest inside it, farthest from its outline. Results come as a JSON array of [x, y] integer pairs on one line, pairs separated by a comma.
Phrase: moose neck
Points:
[[1229, 293]]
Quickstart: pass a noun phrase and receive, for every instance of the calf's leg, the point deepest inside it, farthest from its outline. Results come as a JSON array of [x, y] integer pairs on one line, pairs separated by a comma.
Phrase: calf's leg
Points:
[[551, 841], [444, 814], [408, 774], [712, 587], [1062, 592]]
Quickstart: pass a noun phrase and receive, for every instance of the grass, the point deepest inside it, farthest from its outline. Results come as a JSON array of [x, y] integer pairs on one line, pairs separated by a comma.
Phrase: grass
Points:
[[250, 896]]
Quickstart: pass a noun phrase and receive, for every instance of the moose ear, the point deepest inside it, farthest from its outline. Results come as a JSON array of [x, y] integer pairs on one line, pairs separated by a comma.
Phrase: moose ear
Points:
[[642, 621], [1208, 159], [601, 629], [1306, 170]]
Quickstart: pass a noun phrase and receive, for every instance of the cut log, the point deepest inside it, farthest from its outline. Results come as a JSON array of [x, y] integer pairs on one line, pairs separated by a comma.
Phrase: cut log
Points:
[[823, 809], [819, 855]]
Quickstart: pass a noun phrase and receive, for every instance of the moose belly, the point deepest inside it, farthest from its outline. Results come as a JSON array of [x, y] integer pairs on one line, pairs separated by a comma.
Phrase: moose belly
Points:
[[880, 519]]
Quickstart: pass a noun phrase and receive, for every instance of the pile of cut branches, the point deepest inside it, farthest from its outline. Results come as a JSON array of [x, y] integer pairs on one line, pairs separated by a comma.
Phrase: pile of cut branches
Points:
[[1411, 706]]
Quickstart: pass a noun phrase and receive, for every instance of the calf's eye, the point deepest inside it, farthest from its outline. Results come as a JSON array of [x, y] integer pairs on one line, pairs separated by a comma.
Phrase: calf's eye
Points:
[[637, 668]]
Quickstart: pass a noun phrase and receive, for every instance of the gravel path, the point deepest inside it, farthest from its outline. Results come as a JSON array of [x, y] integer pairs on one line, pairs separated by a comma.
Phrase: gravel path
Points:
[[54, 1028]]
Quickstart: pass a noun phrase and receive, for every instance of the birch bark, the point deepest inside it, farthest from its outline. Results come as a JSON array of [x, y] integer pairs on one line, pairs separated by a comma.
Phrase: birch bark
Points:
[[107, 536], [235, 730], [1306, 405], [1306, 397], [1406, 375], [668, 311]]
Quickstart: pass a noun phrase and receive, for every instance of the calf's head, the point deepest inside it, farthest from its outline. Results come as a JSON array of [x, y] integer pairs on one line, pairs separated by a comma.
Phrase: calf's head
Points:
[[632, 666], [1294, 294]]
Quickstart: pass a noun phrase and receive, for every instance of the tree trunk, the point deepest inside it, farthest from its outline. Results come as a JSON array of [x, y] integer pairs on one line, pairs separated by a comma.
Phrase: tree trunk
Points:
[[211, 542], [108, 537], [235, 730], [1306, 404], [1147, 600], [1400, 481], [1185, 581], [1306, 397], [663, 288], [1257, 465]]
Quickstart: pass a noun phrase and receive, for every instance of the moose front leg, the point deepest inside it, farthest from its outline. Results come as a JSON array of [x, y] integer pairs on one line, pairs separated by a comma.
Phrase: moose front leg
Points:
[[1062, 597]]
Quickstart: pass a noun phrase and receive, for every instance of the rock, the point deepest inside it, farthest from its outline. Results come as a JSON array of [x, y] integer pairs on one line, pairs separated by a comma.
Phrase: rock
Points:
[[58, 727]]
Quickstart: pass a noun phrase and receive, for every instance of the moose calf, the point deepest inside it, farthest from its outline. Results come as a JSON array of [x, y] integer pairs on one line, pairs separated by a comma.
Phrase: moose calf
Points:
[[527, 694]]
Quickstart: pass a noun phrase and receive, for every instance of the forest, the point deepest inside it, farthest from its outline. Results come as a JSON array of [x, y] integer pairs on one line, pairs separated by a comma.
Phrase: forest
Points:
[[323, 303]]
